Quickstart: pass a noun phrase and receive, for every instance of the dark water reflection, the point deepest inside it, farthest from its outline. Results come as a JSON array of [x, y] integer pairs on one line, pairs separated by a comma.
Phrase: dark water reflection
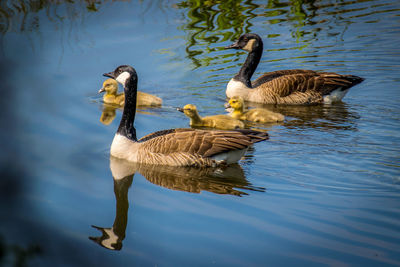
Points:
[[327, 117], [223, 180], [332, 172]]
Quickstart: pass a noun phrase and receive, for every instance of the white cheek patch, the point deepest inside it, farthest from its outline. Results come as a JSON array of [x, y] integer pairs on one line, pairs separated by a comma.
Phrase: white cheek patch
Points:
[[249, 45], [123, 77]]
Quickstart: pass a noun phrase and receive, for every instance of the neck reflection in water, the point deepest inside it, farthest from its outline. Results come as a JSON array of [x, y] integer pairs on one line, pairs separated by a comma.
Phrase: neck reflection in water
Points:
[[222, 180]]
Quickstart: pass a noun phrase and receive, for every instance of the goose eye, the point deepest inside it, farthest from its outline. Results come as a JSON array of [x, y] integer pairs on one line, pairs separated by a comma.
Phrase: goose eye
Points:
[[245, 39]]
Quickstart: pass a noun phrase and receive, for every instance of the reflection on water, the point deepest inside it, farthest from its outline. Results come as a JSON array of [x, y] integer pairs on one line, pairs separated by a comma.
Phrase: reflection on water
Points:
[[112, 237], [337, 116], [23, 15], [223, 180], [215, 22], [332, 198], [108, 114]]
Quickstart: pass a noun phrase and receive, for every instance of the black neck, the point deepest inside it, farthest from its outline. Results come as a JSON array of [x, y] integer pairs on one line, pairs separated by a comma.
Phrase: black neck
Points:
[[126, 127], [250, 65], [121, 188]]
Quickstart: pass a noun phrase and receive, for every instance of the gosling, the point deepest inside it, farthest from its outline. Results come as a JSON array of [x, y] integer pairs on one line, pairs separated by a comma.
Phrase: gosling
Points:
[[223, 122], [110, 86], [259, 115]]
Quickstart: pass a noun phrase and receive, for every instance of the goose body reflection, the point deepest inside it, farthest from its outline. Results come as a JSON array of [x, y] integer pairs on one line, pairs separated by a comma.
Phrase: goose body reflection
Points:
[[285, 86], [224, 122], [174, 147], [111, 96], [219, 180], [228, 180]]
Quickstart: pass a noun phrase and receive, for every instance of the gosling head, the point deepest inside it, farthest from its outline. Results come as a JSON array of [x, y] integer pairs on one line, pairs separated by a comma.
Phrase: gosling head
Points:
[[110, 86], [248, 42], [236, 103], [123, 74], [189, 110]]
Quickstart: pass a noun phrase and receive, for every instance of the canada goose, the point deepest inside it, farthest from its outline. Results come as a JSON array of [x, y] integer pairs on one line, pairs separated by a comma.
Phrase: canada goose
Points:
[[174, 147], [284, 86], [260, 115], [110, 86], [223, 122]]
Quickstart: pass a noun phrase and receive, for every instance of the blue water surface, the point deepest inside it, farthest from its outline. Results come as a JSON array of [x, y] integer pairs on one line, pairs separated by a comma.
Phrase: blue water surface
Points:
[[324, 190]]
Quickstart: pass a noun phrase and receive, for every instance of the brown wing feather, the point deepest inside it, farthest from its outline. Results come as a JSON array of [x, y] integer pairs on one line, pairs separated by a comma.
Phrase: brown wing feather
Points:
[[275, 74], [204, 143], [286, 82]]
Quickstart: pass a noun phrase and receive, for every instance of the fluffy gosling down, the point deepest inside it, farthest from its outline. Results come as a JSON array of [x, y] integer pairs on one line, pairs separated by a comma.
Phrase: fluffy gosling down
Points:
[[174, 147], [110, 86], [223, 122], [259, 115], [284, 86]]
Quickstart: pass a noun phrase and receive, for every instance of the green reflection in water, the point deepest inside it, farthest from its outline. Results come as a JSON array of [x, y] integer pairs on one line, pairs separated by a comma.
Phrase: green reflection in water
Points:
[[212, 22], [22, 15]]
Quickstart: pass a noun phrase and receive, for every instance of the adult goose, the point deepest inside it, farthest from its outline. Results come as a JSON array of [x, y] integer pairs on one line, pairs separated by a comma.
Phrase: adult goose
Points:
[[284, 86], [174, 147]]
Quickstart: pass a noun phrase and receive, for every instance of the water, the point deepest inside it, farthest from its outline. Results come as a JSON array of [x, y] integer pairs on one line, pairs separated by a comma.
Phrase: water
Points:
[[323, 190]]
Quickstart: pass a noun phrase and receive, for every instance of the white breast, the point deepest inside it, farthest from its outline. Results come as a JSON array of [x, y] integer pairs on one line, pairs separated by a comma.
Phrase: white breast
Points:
[[236, 88], [124, 148]]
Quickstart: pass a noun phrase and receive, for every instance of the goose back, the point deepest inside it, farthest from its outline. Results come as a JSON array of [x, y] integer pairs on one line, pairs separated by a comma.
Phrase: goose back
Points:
[[187, 147]]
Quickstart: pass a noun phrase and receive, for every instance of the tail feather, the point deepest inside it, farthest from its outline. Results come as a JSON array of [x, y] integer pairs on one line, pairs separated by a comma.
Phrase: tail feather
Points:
[[255, 136], [343, 81]]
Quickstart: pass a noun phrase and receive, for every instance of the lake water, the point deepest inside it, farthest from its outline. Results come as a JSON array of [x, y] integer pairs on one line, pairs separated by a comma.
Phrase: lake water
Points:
[[324, 190]]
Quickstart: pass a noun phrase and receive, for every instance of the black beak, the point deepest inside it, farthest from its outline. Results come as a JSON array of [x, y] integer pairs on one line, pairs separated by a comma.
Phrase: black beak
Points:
[[235, 45], [110, 75], [180, 109]]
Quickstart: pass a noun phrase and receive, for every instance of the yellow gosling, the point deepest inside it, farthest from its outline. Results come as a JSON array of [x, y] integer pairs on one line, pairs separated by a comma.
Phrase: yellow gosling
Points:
[[259, 115], [223, 122], [110, 86]]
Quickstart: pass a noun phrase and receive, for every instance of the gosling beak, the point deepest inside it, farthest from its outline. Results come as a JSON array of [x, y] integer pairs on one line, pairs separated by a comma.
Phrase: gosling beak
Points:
[[101, 90], [180, 109], [227, 105], [110, 75], [235, 45]]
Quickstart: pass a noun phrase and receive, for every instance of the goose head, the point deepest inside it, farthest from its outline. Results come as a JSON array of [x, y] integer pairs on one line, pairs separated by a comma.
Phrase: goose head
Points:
[[123, 74], [110, 86], [248, 42], [189, 110]]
